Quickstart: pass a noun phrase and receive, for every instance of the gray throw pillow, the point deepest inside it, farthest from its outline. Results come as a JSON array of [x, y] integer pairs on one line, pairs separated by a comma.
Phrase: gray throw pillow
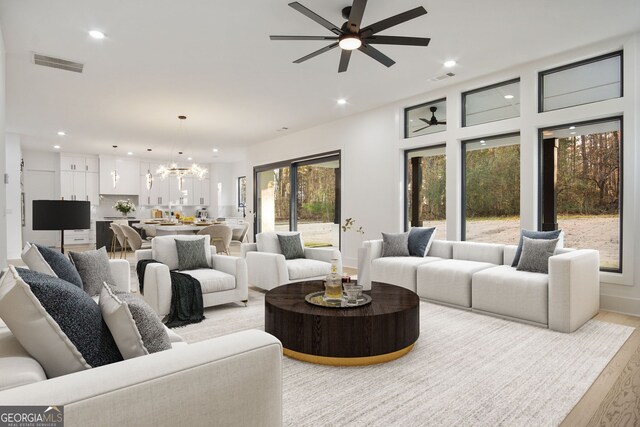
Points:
[[420, 240], [395, 244], [56, 322], [535, 254], [136, 328], [291, 246], [532, 234], [39, 257], [191, 254], [94, 269]]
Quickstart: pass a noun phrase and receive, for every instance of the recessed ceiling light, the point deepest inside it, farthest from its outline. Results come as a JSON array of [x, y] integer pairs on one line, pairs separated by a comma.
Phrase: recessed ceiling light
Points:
[[482, 141], [130, 153], [189, 158], [96, 34], [215, 150], [342, 101], [572, 127], [508, 97], [450, 63], [573, 133], [61, 133], [56, 147]]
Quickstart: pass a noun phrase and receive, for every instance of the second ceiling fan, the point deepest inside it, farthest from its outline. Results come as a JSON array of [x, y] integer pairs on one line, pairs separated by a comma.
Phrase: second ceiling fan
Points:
[[351, 36]]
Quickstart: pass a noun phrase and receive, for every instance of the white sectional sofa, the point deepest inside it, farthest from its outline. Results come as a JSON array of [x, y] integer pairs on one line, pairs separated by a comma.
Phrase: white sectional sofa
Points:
[[233, 380], [479, 277]]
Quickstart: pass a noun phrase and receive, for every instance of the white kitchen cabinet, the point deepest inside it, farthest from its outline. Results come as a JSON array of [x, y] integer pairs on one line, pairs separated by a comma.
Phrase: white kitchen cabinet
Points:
[[92, 181], [201, 188], [72, 163], [73, 185], [128, 182], [75, 182], [92, 165], [182, 197]]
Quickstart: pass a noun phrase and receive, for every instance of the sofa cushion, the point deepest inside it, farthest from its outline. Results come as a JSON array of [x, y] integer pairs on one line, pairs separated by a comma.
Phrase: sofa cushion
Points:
[[509, 254], [135, 327], [448, 281], [303, 268], [533, 234], [191, 254], [48, 261], [506, 291], [481, 252], [56, 322], [441, 249], [94, 269], [395, 244], [212, 280], [163, 249], [420, 240], [399, 271], [291, 246], [17, 367], [535, 254]]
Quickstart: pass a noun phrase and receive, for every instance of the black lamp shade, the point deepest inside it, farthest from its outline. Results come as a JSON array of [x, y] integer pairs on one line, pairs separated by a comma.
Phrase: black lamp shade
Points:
[[61, 215]]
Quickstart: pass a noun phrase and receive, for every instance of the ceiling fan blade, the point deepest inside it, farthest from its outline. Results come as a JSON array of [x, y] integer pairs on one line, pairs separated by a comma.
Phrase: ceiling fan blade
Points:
[[418, 130], [442, 123], [426, 121], [316, 53], [376, 54], [393, 21], [355, 17], [344, 61], [398, 40], [315, 17], [303, 38]]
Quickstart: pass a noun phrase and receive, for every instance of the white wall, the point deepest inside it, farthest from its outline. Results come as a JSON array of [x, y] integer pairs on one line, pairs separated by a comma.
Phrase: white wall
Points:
[[3, 224], [13, 188], [372, 147]]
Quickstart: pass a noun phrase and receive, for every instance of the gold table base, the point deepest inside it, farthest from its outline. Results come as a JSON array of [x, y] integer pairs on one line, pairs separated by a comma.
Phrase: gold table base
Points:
[[348, 361]]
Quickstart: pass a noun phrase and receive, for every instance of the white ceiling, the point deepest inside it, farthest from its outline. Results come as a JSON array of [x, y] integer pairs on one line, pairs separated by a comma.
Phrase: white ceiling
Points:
[[213, 61]]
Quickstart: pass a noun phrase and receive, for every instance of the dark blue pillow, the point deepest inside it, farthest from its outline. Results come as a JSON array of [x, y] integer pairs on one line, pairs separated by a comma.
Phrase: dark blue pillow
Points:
[[420, 239], [61, 265], [77, 314], [531, 234]]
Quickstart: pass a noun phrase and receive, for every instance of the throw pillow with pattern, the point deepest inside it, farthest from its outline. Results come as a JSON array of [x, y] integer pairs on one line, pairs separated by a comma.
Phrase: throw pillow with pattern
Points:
[[94, 269], [395, 244], [291, 246], [532, 234], [191, 254], [535, 254]]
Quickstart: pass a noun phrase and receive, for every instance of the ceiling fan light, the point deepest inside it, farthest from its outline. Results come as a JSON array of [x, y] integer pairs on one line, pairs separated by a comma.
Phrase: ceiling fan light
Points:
[[349, 42]]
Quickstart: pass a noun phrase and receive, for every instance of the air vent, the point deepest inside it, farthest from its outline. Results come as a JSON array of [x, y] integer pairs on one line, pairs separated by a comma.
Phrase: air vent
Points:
[[61, 64], [442, 77]]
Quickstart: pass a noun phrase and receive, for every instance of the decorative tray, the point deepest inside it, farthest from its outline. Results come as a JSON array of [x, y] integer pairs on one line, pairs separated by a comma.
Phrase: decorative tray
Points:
[[202, 224], [316, 298], [167, 223]]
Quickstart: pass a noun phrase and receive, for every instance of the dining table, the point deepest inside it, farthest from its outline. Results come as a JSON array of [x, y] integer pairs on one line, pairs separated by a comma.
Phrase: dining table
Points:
[[164, 229]]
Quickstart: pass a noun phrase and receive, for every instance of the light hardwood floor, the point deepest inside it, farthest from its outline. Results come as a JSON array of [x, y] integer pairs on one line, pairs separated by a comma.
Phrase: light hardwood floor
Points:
[[613, 399]]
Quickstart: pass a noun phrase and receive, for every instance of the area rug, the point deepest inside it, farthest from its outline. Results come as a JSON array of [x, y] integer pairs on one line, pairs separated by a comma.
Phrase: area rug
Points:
[[465, 369]]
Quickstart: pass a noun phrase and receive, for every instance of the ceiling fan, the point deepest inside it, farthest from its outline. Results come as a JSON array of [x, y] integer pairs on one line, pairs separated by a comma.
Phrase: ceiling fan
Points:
[[351, 36], [432, 121]]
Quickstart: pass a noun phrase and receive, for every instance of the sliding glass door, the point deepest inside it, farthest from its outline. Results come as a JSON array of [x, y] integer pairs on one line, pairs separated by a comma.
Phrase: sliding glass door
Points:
[[301, 195]]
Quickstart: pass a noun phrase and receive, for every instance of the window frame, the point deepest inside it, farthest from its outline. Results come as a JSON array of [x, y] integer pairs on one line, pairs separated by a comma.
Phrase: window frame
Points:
[[413, 107], [293, 164], [482, 89], [541, 190], [407, 152], [463, 170], [577, 64]]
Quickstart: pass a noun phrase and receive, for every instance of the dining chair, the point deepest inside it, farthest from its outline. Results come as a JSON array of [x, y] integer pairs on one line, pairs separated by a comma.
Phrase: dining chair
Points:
[[238, 234], [133, 239], [220, 236], [118, 235]]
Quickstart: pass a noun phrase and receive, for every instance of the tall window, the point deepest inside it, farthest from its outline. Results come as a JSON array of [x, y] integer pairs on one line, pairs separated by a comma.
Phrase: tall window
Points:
[[581, 182], [301, 195], [491, 196], [426, 171]]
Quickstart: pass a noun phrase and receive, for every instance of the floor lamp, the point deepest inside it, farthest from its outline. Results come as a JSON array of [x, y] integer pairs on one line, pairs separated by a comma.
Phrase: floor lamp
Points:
[[61, 215]]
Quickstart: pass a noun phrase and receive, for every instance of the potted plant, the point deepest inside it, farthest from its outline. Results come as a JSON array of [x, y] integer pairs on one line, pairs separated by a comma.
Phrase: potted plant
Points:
[[124, 207]]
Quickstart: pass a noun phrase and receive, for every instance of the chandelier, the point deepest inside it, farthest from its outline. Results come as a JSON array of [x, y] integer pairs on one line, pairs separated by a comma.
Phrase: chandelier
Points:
[[180, 172]]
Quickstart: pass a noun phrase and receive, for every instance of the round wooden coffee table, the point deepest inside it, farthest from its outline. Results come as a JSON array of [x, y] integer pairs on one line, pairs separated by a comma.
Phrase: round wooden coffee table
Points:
[[383, 330]]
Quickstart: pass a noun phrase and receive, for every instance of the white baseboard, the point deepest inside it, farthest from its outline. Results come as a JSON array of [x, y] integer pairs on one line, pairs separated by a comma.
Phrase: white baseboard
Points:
[[623, 305]]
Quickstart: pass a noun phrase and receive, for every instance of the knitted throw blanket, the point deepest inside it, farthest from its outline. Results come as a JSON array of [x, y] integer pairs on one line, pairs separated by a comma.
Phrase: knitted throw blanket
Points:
[[186, 296]]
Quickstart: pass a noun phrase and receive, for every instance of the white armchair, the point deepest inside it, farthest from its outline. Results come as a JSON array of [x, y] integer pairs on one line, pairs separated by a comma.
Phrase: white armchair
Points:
[[224, 282], [268, 268]]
